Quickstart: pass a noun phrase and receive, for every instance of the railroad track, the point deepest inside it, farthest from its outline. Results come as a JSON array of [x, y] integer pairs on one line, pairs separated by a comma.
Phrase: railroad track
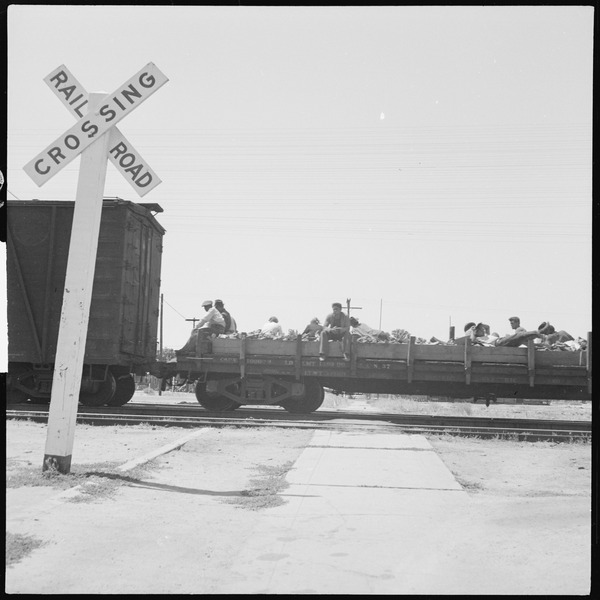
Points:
[[169, 415]]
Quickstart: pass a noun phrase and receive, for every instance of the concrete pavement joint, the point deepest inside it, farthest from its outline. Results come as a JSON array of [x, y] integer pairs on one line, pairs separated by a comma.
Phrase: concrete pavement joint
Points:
[[162, 450], [372, 448], [384, 487]]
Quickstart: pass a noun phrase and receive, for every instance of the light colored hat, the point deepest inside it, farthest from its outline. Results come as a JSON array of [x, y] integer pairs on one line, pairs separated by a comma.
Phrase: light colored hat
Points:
[[207, 303]]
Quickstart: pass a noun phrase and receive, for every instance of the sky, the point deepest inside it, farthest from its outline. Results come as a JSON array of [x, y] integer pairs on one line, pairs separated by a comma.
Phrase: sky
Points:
[[430, 165]]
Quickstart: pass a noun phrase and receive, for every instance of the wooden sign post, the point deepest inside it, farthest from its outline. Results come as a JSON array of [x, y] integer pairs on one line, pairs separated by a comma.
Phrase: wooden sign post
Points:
[[92, 137]]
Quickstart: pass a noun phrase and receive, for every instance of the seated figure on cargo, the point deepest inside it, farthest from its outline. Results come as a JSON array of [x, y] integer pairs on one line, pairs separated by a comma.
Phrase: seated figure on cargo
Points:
[[313, 329], [519, 336], [550, 336], [230, 324], [469, 330], [335, 327], [212, 323], [480, 334], [272, 328], [362, 330]]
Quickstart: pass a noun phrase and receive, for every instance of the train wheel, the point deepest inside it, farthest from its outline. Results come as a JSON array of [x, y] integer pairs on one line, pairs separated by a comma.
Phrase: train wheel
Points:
[[97, 393], [18, 372], [125, 389], [213, 402], [17, 396], [314, 395]]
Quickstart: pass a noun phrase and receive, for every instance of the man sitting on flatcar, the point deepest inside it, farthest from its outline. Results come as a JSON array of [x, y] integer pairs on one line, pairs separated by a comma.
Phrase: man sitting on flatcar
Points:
[[212, 323]]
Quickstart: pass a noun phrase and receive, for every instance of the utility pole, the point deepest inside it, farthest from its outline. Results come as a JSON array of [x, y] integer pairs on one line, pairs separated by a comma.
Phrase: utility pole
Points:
[[380, 311], [161, 326], [348, 307], [160, 348], [193, 321]]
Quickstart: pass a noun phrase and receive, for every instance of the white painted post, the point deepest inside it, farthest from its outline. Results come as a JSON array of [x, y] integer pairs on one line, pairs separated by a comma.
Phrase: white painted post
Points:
[[77, 297]]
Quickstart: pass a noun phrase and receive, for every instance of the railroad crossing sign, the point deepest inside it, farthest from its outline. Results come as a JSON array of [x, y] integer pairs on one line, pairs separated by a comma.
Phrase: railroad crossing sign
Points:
[[121, 153], [96, 138], [92, 125]]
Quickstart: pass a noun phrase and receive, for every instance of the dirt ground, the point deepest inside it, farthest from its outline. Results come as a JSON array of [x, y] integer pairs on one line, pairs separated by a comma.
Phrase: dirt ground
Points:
[[522, 486]]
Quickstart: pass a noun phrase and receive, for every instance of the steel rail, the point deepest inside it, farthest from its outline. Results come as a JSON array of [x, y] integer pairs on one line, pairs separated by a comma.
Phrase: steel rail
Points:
[[194, 410], [366, 425]]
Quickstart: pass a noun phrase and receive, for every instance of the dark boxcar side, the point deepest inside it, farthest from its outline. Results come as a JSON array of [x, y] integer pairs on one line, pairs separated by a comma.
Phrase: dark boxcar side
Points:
[[122, 329]]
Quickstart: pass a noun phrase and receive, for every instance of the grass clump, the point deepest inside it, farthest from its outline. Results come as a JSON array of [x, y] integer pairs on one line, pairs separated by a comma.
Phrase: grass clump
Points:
[[472, 486], [19, 546], [264, 489], [96, 481]]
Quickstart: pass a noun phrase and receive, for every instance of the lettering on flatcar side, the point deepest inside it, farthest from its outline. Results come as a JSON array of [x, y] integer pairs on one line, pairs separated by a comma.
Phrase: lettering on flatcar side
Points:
[[226, 359]]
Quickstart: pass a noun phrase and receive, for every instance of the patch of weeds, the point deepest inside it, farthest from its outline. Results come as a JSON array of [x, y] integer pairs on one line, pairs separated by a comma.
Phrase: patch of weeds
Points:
[[102, 485], [579, 440], [471, 486], [264, 489], [19, 546], [34, 477], [98, 481]]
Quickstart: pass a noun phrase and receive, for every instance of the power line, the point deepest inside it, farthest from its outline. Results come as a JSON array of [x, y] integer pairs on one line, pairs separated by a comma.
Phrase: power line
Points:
[[173, 308]]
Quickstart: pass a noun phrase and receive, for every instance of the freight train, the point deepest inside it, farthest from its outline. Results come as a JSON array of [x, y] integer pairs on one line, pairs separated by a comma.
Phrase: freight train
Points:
[[227, 372]]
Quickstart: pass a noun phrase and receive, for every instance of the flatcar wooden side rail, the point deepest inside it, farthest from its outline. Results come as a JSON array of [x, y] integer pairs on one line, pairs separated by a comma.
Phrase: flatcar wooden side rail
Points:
[[410, 365]]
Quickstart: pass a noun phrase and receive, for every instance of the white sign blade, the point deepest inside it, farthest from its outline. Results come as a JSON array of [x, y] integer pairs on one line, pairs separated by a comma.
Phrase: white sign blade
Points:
[[90, 127], [122, 153], [68, 90], [130, 164]]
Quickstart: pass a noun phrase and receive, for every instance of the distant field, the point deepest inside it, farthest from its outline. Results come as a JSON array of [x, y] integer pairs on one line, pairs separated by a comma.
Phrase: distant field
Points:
[[423, 405]]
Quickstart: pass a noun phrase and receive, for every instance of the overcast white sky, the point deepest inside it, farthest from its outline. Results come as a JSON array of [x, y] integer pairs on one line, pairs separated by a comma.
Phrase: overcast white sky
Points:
[[430, 163]]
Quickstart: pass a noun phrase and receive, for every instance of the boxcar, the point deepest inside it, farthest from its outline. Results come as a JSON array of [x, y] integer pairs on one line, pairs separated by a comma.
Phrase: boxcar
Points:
[[122, 329]]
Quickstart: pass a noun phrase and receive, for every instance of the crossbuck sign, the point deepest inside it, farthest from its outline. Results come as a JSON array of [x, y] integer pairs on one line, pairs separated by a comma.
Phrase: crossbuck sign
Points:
[[96, 138], [92, 125]]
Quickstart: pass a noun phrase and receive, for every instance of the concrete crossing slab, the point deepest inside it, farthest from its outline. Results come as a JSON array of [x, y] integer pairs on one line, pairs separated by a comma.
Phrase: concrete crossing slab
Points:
[[363, 515], [382, 460], [339, 439]]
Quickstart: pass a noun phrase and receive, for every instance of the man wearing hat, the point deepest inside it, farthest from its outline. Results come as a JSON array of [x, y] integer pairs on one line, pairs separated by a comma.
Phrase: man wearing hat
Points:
[[230, 324], [335, 327], [212, 322]]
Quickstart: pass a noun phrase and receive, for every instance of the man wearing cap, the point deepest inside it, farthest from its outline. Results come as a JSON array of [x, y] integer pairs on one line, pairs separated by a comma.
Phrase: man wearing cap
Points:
[[335, 327], [212, 322], [313, 329], [230, 324]]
